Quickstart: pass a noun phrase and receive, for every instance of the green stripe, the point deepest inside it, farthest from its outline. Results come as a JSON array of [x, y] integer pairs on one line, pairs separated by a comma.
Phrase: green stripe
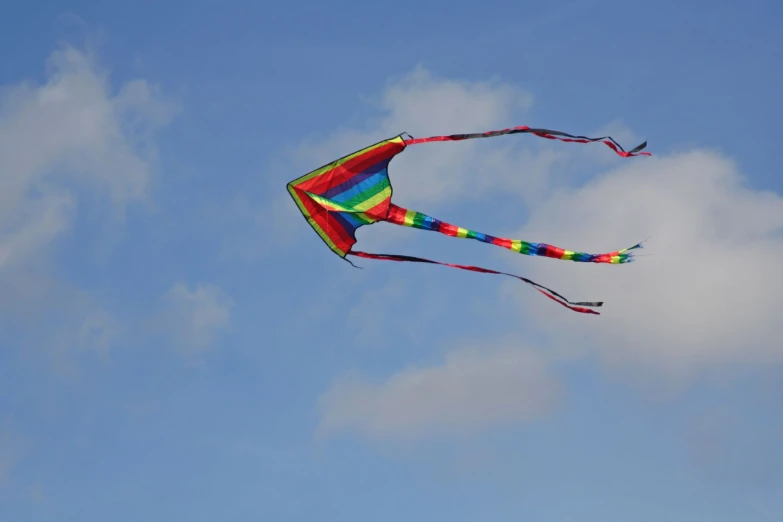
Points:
[[376, 200], [360, 216], [526, 248], [328, 202], [367, 194], [418, 220]]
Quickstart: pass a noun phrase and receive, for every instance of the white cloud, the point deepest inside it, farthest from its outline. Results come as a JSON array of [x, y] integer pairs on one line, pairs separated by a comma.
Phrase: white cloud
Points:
[[472, 389], [67, 134], [35, 225], [73, 128], [193, 318], [63, 143], [708, 289], [84, 328]]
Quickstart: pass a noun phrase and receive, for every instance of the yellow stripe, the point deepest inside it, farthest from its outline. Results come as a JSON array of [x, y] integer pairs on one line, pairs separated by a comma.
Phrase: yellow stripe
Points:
[[462, 232], [516, 246], [367, 204], [361, 207], [409, 215], [368, 218], [328, 203]]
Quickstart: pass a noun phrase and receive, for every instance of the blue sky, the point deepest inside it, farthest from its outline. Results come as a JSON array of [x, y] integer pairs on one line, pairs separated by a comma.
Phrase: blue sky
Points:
[[177, 344]]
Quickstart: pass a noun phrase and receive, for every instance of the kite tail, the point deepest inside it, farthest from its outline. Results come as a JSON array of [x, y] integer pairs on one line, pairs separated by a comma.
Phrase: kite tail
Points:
[[411, 218], [581, 307], [542, 133]]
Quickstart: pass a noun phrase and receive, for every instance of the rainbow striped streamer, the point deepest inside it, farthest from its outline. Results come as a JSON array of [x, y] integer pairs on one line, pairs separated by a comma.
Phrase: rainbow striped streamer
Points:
[[411, 218]]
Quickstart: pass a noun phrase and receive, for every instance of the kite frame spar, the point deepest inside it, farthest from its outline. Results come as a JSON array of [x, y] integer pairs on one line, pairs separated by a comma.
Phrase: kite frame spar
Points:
[[356, 190]]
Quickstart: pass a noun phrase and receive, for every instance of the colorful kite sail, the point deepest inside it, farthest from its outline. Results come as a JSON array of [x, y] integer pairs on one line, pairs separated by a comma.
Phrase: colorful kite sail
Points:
[[355, 190]]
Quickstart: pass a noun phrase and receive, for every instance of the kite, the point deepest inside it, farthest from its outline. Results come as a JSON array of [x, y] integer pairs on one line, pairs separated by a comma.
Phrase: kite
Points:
[[355, 190]]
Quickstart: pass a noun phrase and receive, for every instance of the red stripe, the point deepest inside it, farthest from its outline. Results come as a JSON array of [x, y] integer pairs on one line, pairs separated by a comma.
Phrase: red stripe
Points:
[[380, 210], [339, 236], [415, 141], [502, 242], [448, 229], [396, 214], [350, 168], [553, 251]]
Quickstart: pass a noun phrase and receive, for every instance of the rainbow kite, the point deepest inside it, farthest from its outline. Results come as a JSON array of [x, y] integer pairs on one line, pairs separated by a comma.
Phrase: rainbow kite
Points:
[[355, 190]]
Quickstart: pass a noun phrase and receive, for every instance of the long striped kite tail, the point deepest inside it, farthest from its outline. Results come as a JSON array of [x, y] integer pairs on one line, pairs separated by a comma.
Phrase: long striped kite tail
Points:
[[542, 133], [581, 307], [411, 218]]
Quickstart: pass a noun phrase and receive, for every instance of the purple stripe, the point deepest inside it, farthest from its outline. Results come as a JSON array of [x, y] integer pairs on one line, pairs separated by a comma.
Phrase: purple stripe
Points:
[[353, 180]]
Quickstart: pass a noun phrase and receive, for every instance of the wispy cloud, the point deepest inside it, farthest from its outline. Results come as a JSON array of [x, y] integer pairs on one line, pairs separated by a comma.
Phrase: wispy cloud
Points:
[[708, 291], [473, 389], [66, 144], [193, 318], [423, 104]]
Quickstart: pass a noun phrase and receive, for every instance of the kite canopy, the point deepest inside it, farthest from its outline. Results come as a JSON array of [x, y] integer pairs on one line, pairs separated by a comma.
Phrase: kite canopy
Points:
[[352, 191], [355, 190]]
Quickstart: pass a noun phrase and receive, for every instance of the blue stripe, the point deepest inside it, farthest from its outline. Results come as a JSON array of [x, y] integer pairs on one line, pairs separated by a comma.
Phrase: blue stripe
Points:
[[349, 217], [430, 223], [341, 218], [358, 178], [360, 187]]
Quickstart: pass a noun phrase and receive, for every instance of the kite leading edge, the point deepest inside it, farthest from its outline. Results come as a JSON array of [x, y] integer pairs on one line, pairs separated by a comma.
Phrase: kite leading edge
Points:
[[355, 190]]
